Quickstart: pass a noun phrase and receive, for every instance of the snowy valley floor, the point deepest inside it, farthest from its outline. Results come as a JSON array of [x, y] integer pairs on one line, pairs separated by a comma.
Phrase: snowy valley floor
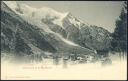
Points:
[[48, 71]]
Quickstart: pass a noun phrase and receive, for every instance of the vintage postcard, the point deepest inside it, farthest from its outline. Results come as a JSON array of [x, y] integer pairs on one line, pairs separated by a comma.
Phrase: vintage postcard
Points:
[[63, 40]]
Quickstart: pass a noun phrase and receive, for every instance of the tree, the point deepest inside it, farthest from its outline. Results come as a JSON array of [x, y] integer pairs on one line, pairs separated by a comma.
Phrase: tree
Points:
[[119, 42]]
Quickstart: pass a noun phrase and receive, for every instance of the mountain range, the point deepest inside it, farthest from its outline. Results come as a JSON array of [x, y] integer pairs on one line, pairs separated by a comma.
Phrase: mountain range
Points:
[[31, 31]]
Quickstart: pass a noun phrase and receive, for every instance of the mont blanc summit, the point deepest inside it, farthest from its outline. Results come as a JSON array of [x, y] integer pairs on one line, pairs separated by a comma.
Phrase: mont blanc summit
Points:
[[31, 31]]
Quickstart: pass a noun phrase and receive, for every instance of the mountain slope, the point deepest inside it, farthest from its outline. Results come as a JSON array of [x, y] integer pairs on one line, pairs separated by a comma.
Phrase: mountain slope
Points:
[[24, 38], [15, 30], [65, 24]]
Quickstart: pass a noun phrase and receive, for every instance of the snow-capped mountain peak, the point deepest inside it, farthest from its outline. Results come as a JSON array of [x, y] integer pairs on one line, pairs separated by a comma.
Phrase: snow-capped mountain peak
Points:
[[46, 28], [54, 16], [41, 13]]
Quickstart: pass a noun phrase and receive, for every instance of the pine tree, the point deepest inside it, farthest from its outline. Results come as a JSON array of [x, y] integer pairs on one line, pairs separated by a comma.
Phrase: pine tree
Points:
[[119, 42]]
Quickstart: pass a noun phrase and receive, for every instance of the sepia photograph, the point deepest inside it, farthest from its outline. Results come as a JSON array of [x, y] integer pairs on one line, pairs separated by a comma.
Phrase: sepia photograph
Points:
[[63, 40]]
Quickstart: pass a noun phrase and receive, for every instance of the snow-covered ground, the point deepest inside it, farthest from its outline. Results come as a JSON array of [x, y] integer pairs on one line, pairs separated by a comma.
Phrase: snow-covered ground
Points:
[[46, 70]]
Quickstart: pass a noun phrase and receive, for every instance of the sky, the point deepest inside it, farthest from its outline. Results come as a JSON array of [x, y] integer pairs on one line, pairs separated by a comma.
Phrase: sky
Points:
[[99, 13]]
